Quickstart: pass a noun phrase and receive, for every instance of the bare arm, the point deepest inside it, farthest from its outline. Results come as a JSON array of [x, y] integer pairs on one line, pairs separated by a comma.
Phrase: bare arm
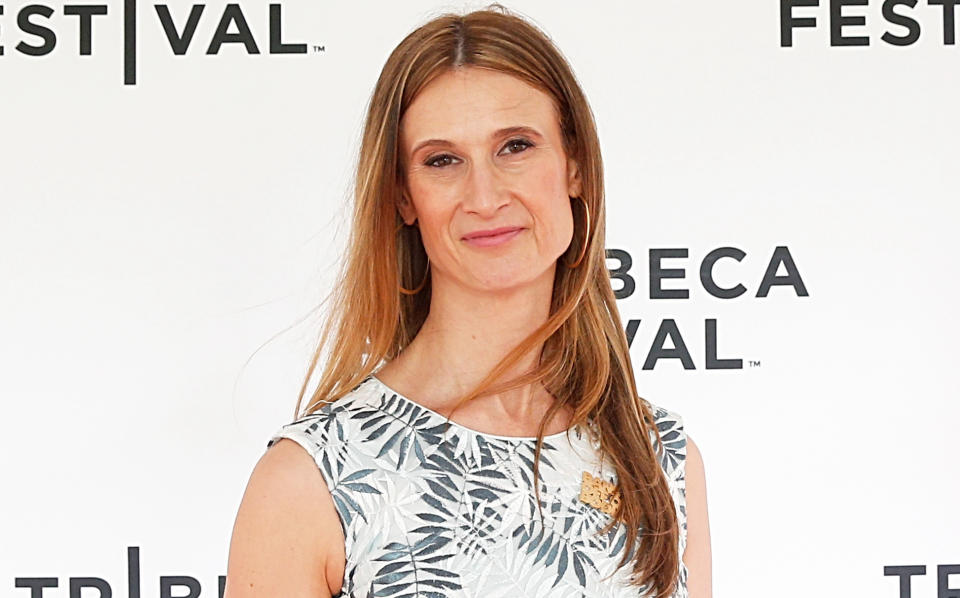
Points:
[[697, 556], [287, 532]]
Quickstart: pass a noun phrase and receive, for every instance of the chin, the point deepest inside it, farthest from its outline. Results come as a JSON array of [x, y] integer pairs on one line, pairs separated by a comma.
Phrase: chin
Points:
[[506, 281]]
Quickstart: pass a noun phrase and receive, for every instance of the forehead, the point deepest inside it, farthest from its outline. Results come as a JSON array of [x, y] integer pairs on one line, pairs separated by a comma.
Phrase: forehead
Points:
[[468, 103]]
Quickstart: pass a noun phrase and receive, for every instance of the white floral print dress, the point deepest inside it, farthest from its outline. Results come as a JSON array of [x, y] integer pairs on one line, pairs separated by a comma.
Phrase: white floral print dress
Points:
[[432, 508]]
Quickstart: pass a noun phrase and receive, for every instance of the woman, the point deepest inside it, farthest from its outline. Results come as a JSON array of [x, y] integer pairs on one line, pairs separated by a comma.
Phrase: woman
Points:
[[476, 426]]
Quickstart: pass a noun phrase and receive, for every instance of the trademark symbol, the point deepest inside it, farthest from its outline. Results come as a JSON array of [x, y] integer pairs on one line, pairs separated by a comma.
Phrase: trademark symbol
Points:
[[319, 48], [754, 363]]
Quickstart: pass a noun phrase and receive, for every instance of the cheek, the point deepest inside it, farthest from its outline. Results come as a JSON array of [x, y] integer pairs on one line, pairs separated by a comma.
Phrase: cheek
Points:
[[432, 216], [555, 208], [563, 224]]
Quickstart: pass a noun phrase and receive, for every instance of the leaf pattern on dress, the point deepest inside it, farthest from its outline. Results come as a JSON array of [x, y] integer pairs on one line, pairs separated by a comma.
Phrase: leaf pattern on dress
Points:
[[435, 509]]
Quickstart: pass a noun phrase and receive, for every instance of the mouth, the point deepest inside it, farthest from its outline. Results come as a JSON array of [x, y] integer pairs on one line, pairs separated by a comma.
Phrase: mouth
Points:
[[491, 237]]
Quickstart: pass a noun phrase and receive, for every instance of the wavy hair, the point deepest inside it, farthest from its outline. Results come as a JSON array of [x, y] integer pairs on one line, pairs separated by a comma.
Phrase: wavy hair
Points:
[[584, 361]]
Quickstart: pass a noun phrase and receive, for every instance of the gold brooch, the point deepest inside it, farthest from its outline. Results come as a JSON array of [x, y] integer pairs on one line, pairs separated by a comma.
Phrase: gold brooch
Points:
[[599, 494]]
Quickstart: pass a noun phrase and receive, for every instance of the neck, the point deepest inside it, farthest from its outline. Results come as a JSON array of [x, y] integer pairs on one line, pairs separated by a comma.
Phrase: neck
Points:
[[464, 336]]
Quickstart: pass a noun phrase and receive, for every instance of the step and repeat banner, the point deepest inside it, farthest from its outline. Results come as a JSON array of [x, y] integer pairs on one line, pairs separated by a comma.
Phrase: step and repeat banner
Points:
[[782, 197]]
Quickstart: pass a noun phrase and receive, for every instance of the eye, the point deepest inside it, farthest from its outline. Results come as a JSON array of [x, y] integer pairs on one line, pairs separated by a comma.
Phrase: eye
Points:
[[519, 142], [433, 161], [518, 145]]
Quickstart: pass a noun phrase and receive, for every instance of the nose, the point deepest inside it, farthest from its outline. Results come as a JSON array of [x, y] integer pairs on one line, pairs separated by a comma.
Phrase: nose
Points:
[[485, 190]]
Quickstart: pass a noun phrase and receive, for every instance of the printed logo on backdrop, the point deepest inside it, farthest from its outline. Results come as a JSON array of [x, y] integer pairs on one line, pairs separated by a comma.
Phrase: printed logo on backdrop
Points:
[[170, 586], [625, 277], [179, 29], [904, 20], [906, 573]]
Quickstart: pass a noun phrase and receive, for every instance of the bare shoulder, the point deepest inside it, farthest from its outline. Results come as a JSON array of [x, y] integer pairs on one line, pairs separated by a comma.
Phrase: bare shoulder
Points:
[[287, 534], [697, 556], [694, 458]]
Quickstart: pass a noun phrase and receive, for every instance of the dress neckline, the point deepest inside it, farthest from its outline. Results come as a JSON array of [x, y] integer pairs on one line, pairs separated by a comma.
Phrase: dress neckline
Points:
[[546, 437]]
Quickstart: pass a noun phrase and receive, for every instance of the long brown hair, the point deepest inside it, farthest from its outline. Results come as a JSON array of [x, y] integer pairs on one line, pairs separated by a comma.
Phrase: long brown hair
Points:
[[584, 361]]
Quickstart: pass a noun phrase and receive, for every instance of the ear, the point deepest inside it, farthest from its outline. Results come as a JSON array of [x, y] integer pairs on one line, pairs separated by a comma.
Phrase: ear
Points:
[[406, 208], [574, 180]]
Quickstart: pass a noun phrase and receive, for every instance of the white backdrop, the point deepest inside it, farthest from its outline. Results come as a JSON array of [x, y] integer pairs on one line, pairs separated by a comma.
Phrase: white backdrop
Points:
[[156, 236]]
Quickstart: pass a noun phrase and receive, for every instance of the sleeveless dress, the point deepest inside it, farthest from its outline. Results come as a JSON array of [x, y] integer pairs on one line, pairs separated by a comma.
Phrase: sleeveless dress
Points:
[[432, 508]]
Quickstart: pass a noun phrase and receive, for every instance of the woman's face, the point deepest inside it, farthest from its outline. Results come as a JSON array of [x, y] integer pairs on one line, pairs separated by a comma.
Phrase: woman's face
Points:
[[482, 151]]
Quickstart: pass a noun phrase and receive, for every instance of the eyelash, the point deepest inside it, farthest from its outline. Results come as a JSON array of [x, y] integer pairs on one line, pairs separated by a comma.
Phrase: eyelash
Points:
[[430, 161]]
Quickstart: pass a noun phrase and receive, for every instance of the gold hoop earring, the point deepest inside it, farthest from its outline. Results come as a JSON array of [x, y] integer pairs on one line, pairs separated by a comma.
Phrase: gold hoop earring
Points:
[[586, 236], [426, 273], [419, 288]]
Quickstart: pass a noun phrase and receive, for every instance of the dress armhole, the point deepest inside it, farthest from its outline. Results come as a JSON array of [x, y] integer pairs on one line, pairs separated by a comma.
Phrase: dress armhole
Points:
[[673, 462], [681, 482], [310, 435]]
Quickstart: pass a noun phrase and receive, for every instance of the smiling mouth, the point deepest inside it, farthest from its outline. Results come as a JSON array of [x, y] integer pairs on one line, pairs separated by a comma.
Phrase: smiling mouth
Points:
[[498, 237]]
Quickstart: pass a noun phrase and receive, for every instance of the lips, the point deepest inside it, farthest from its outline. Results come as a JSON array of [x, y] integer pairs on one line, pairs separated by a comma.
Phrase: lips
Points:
[[493, 232], [492, 237]]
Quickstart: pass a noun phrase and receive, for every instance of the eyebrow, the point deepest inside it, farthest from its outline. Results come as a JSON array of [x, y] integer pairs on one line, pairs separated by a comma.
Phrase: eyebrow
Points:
[[498, 133]]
